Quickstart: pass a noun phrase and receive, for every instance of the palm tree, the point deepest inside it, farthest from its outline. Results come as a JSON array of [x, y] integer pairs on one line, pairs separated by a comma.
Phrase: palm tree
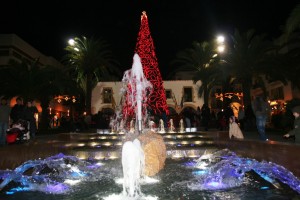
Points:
[[248, 58], [293, 21], [91, 61], [290, 43], [21, 79], [202, 59]]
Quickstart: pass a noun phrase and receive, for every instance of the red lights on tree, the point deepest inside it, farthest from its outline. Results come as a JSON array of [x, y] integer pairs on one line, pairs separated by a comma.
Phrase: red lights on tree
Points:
[[145, 49]]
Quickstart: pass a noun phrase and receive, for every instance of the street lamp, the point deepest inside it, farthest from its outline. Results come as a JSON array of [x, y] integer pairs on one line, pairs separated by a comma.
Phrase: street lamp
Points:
[[220, 44], [220, 39], [221, 48], [71, 42]]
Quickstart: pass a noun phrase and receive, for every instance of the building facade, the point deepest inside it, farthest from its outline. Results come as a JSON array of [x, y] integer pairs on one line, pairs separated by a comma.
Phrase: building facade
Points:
[[179, 94], [13, 47]]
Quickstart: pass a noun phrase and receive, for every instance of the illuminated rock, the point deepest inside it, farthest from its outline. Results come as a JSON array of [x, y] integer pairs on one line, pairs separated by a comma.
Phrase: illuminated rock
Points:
[[154, 151]]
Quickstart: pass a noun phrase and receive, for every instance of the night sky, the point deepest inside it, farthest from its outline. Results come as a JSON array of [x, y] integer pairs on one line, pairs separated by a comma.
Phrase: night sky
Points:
[[174, 24]]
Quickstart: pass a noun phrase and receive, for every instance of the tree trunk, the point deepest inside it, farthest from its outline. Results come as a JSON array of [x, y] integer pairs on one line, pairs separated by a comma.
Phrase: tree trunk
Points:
[[44, 124], [88, 98], [247, 83], [206, 95]]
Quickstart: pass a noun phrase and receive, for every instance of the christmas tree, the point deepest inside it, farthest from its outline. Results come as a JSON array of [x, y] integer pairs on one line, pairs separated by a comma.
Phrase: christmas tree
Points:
[[145, 49]]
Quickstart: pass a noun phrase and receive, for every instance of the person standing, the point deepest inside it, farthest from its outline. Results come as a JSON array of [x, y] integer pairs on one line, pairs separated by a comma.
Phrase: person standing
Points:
[[296, 130], [261, 110], [198, 117], [4, 120], [241, 116], [205, 115], [234, 129], [17, 112], [29, 114]]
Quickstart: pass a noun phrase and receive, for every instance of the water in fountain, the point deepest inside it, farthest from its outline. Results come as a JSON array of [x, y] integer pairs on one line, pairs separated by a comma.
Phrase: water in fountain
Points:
[[224, 169], [172, 127], [135, 89], [161, 126], [219, 175], [132, 153], [181, 126], [133, 163]]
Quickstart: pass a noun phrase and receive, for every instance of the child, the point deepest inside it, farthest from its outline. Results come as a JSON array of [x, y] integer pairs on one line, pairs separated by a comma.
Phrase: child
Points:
[[234, 129], [296, 131]]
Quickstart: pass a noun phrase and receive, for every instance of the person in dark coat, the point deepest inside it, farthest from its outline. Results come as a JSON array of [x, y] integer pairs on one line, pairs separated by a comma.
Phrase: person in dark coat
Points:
[[296, 130], [205, 115], [4, 120], [261, 109], [17, 111], [29, 115]]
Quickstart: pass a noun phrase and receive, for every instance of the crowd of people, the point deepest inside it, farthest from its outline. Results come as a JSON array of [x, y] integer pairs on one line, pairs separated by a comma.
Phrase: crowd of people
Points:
[[10, 116], [249, 118], [254, 115]]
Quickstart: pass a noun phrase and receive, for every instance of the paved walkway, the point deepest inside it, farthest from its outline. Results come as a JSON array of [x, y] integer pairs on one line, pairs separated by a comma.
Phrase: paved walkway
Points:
[[275, 135]]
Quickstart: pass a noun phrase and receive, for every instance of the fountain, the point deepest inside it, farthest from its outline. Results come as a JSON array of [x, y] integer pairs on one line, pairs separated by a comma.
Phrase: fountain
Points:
[[161, 127], [143, 152], [133, 163], [172, 127], [215, 175], [144, 172], [132, 129], [121, 127], [152, 126], [181, 126]]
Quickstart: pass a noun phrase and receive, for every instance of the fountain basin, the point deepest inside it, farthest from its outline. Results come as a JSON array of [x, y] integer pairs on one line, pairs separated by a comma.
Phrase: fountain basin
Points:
[[279, 153], [182, 178]]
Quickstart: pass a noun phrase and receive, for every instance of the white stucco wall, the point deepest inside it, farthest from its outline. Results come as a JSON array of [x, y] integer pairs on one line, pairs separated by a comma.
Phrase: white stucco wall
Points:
[[97, 100], [176, 86]]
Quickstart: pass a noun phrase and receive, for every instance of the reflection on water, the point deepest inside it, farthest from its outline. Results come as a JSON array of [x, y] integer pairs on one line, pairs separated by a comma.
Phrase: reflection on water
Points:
[[218, 175]]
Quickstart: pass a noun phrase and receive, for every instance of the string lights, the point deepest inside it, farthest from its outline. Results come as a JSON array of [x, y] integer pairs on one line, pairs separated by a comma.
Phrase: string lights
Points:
[[145, 49]]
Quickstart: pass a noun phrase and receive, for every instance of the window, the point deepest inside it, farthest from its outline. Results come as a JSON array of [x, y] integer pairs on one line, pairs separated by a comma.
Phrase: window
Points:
[[187, 94], [168, 94], [107, 95]]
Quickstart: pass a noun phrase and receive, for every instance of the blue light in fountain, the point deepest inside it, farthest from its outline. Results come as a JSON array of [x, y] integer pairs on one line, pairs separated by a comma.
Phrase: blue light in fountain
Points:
[[217, 175], [52, 175], [224, 169]]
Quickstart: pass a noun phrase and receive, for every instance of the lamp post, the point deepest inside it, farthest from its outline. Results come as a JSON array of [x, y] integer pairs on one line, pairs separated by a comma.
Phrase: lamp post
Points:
[[220, 43], [71, 42]]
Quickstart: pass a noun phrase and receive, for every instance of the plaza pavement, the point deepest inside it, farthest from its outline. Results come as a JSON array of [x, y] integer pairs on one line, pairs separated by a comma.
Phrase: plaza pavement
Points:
[[274, 135]]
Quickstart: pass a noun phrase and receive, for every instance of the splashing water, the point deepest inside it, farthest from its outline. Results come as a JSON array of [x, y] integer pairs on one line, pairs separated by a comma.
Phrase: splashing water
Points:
[[53, 175], [135, 88], [133, 163], [224, 169], [223, 173]]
